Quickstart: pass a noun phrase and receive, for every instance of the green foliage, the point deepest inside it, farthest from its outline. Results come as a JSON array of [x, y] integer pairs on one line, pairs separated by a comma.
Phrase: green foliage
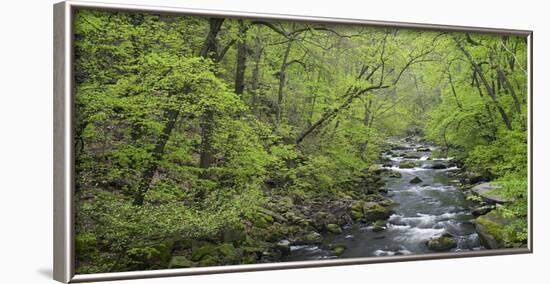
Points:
[[506, 155], [157, 116], [514, 187]]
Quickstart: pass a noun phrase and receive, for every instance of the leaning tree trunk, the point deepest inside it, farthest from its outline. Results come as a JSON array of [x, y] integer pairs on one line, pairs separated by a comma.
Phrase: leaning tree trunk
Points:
[[490, 90]]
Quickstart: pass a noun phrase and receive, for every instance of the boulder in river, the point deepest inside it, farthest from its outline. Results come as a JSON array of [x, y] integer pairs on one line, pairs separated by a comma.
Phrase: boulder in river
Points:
[[311, 238], [369, 211], [321, 219], [412, 155], [394, 174], [377, 169], [334, 228], [283, 246], [408, 165], [338, 249], [482, 210], [379, 226], [423, 149], [399, 147], [492, 232], [438, 166], [441, 243], [490, 193], [415, 180], [472, 177]]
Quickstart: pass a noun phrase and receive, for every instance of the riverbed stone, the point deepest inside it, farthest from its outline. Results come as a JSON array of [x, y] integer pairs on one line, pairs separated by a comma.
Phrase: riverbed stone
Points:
[[415, 180], [438, 166], [334, 228], [412, 155], [482, 210], [441, 243], [379, 226], [377, 169], [369, 211], [408, 164], [394, 174], [283, 246], [491, 229], [490, 193], [471, 177], [312, 237], [322, 218], [338, 249]]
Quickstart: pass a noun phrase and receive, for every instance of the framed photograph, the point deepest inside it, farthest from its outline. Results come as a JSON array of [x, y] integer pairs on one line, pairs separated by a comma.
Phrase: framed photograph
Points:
[[198, 141]]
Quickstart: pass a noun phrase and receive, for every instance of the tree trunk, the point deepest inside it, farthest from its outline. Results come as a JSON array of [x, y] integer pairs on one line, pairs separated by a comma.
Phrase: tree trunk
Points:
[[331, 113], [158, 152], [256, 74], [241, 59], [510, 89], [207, 120], [486, 84], [282, 81]]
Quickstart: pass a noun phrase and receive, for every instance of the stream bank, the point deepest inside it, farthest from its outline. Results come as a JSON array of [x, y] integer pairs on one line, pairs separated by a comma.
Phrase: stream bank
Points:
[[409, 203]]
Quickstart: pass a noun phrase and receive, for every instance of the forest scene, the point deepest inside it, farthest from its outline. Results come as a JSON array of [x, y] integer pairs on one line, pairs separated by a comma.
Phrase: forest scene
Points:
[[204, 141]]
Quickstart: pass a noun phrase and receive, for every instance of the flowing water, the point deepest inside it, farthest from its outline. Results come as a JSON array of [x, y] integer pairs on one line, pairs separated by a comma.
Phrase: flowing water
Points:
[[430, 208]]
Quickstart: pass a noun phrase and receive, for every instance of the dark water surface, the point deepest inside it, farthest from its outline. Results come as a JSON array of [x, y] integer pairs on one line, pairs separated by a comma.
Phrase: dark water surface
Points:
[[424, 210]]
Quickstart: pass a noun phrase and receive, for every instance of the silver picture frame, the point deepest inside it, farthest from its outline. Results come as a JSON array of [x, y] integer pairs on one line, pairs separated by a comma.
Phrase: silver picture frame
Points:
[[63, 262]]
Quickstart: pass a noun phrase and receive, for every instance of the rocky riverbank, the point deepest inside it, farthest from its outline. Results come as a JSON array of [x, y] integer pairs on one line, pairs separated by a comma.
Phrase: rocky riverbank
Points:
[[289, 221], [362, 215]]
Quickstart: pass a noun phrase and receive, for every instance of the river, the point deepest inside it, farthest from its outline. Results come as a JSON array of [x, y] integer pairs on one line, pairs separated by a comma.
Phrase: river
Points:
[[432, 207]]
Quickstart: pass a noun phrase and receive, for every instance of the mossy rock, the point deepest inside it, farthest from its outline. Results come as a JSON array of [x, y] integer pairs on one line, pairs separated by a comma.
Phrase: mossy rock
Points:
[[227, 250], [321, 219], [415, 180], [338, 249], [441, 243], [334, 228], [270, 216], [380, 199], [411, 156], [208, 261], [283, 246], [409, 165], [180, 261], [492, 232], [377, 169], [394, 174], [379, 226], [374, 211], [357, 214], [311, 238], [200, 252]]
